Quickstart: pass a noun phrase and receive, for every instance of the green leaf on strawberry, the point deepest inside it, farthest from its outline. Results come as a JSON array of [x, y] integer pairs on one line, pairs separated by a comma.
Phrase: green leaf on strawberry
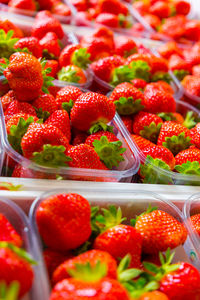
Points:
[[177, 143], [10, 292], [42, 114], [121, 74], [191, 168], [151, 132], [189, 121], [100, 126], [81, 58], [161, 76], [180, 74], [123, 273], [140, 69], [47, 80], [128, 106], [68, 75], [7, 43], [167, 116], [68, 105]]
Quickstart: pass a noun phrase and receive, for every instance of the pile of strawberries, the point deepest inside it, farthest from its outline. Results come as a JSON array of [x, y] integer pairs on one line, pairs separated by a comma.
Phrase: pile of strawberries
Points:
[[16, 270], [169, 19], [98, 254], [165, 138]]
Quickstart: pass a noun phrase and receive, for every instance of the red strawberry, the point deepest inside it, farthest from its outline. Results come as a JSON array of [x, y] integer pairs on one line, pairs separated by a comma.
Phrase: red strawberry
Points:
[[154, 295], [22, 172], [112, 20], [46, 145], [168, 49], [174, 136], [23, 4], [195, 220], [16, 107], [195, 135], [92, 110], [196, 70], [182, 7], [32, 44], [128, 123], [179, 66], [72, 73], [160, 231], [7, 99], [53, 65], [79, 138], [15, 266], [7, 25], [66, 216], [66, 97], [141, 64], [8, 233], [113, 6], [92, 256], [188, 161], [45, 105], [141, 142], [125, 46], [50, 45], [192, 30], [60, 8], [192, 84], [163, 86], [74, 54], [147, 125], [174, 27], [160, 9], [156, 101], [152, 20], [127, 99], [60, 119], [141, 6], [46, 22], [139, 83]]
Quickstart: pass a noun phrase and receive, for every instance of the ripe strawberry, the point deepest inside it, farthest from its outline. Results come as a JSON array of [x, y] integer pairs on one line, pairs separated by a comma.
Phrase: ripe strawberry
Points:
[[16, 107], [127, 99], [179, 66], [175, 117], [192, 30], [84, 156], [74, 55], [22, 172], [46, 22], [128, 123], [125, 46], [156, 101], [7, 99], [139, 83], [66, 216], [23, 4], [141, 64], [61, 9], [168, 49], [7, 25], [46, 145], [50, 45], [195, 220], [163, 86], [79, 138], [192, 85], [15, 266], [92, 110], [112, 6], [45, 105], [174, 27], [8, 233], [182, 7], [66, 97], [188, 161], [161, 9], [112, 20], [141, 142], [160, 231], [195, 135], [196, 70], [147, 125], [72, 73], [118, 239], [92, 256], [53, 65], [152, 20], [174, 136], [24, 75], [31, 43], [155, 295], [141, 6], [60, 119], [46, 4]]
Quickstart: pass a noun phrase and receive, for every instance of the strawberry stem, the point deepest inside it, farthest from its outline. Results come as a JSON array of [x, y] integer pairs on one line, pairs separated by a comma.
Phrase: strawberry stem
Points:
[[68, 74], [128, 106], [189, 121], [140, 69], [180, 74], [80, 58], [10, 292], [161, 76], [122, 74]]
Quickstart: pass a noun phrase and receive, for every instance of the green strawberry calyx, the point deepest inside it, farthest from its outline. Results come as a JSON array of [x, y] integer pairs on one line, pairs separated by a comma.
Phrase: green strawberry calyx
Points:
[[100, 126], [48, 55], [68, 105], [180, 74], [19, 251], [191, 168], [3, 66], [42, 114], [81, 58], [151, 132], [51, 156], [47, 80], [68, 75], [177, 143], [124, 274], [7, 43], [130, 52], [110, 153], [18, 131], [161, 76], [128, 106], [189, 121], [148, 211], [121, 74], [10, 292], [9, 186], [87, 272], [149, 171], [141, 70], [167, 116]]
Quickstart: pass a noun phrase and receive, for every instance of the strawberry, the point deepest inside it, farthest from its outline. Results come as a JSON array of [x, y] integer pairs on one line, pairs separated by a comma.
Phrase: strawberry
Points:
[[188, 161], [141, 6], [31, 43], [195, 220], [128, 123], [24, 75], [66, 97], [173, 27], [168, 49], [60, 119], [108, 147], [192, 84], [152, 20], [159, 230], [195, 135], [46, 4], [7, 44], [155, 295], [7, 25], [125, 46], [92, 111], [7, 99], [161, 9], [127, 99], [23, 4], [112, 20], [192, 30], [74, 55], [92, 256], [50, 45], [46, 145], [147, 125], [22, 172], [45, 22], [118, 239], [8, 233], [112, 6], [141, 64], [163, 86], [182, 7], [175, 117], [66, 216], [53, 65], [16, 107], [61, 9], [174, 136], [139, 83], [156, 100], [196, 70], [79, 138], [45, 105], [15, 266], [72, 73], [141, 142], [179, 66]]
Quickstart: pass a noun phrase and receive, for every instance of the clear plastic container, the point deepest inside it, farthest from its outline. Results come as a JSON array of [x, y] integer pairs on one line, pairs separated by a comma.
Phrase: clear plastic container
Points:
[[189, 98], [192, 207], [161, 176], [40, 288]]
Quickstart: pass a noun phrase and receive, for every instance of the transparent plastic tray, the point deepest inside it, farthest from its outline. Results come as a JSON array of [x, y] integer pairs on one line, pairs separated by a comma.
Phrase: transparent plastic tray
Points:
[[21, 223], [191, 207], [173, 177]]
